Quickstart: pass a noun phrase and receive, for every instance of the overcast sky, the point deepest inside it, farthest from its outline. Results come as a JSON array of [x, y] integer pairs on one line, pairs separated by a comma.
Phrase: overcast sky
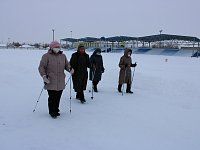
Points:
[[33, 20]]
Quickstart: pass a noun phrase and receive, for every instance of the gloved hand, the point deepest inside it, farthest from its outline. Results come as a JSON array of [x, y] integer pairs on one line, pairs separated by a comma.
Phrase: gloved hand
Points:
[[93, 67], [126, 65], [71, 71], [133, 65], [102, 71], [45, 79]]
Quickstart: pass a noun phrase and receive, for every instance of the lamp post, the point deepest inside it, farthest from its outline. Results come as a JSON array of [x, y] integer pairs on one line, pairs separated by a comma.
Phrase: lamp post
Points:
[[53, 33], [8, 41], [71, 37], [71, 33], [160, 31], [160, 37]]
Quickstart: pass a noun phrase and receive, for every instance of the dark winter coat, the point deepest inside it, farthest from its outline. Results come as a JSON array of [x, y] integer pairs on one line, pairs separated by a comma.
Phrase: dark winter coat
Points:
[[53, 65], [80, 63], [97, 67], [125, 68]]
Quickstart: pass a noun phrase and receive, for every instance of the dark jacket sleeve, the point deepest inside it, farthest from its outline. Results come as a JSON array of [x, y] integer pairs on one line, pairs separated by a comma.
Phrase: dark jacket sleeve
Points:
[[88, 61], [73, 61], [102, 65], [67, 65], [92, 61], [121, 63]]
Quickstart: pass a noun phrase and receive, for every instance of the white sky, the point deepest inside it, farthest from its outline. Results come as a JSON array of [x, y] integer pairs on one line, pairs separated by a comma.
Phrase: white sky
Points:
[[33, 20]]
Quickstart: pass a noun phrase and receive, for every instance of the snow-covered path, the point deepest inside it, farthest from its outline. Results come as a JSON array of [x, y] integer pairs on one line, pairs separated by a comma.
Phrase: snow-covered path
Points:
[[162, 114]]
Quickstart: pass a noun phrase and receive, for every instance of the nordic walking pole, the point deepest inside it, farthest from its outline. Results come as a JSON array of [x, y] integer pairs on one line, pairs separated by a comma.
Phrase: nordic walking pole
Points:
[[123, 82], [93, 72], [70, 95], [68, 80], [133, 75], [38, 100]]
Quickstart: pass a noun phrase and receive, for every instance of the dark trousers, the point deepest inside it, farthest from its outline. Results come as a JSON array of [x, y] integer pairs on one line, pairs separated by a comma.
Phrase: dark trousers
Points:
[[54, 101], [95, 82], [128, 88], [80, 95], [95, 85]]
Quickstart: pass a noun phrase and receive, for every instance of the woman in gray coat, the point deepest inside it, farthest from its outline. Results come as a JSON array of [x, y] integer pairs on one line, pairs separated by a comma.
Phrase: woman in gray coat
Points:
[[125, 65], [51, 68]]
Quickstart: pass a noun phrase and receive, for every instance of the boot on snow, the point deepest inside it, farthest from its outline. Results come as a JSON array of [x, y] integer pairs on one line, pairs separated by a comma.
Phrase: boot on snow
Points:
[[95, 88], [119, 88], [128, 89]]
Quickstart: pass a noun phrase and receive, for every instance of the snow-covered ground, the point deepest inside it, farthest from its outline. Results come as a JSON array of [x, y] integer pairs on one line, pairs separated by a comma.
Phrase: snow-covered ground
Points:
[[162, 114]]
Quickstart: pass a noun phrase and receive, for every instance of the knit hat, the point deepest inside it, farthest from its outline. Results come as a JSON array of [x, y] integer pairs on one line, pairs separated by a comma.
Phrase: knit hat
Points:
[[80, 45], [54, 44]]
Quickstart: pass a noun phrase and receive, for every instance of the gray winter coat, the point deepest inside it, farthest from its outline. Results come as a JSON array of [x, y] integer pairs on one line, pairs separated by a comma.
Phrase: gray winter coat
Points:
[[53, 65]]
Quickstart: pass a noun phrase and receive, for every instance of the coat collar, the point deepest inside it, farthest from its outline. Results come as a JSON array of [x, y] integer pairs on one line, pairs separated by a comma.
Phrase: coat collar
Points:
[[51, 52]]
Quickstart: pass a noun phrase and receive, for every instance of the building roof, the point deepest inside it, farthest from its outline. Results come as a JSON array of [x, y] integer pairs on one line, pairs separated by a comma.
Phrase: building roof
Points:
[[151, 38], [70, 40], [89, 39], [163, 37], [120, 38]]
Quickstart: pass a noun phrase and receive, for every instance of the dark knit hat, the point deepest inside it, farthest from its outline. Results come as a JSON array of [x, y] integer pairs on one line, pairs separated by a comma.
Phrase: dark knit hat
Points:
[[80, 45]]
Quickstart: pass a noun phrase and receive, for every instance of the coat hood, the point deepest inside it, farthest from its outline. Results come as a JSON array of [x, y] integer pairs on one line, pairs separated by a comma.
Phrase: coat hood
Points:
[[97, 50], [126, 51]]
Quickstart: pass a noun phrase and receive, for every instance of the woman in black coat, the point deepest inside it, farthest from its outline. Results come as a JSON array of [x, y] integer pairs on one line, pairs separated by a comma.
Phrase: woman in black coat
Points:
[[80, 62], [97, 68]]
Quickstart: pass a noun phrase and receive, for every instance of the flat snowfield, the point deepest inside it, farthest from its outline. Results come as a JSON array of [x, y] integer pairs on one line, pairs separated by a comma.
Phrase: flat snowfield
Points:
[[162, 114]]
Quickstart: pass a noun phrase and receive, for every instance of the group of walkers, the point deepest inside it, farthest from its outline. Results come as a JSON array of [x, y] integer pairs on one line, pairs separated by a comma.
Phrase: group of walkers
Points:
[[54, 63]]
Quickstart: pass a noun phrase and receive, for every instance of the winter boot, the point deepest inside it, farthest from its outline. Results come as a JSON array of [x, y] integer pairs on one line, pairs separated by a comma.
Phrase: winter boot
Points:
[[82, 98], [95, 88], [128, 89], [78, 95], [53, 115], [119, 88]]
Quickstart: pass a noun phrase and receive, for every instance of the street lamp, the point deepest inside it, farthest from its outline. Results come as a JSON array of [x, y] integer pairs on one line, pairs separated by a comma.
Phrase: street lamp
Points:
[[71, 33], [160, 31], [53, 33], [71, 38], [160, 37]]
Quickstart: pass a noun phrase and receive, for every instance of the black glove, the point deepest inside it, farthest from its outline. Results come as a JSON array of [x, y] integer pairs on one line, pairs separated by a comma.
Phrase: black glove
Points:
[[126, 65], [93, 67], [102, 71], [133, 65]]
